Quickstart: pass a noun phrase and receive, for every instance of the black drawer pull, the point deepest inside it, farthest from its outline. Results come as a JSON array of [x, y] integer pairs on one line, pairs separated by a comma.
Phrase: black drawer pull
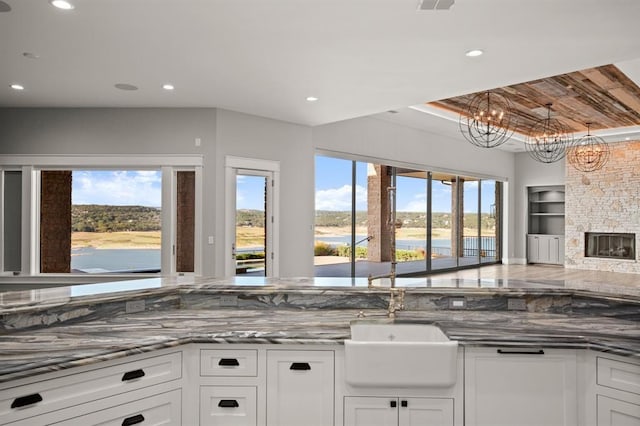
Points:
[[228, 403], [133, 420], [393, 404], [404, 403], [521, 352], [300, 366], [130, 375], [228, 362], [23, 401]]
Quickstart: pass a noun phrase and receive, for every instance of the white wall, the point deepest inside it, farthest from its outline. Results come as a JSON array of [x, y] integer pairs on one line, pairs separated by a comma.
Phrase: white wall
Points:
[[377, 139], [146, 131], [530, 172], [243, 135]]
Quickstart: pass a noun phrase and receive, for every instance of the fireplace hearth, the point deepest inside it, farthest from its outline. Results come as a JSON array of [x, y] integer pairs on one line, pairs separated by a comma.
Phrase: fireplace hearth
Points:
[[610, 245]]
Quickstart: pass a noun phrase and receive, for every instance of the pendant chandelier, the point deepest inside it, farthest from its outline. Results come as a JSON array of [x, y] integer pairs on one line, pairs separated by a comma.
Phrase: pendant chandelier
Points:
[[548, 139], [487, 121], [589, 153]]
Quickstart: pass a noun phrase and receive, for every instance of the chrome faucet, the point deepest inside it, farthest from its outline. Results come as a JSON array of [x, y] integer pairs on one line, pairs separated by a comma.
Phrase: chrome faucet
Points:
[[396, 301]]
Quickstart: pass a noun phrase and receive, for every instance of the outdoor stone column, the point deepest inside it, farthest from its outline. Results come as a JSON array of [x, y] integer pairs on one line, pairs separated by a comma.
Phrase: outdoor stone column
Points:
[[55, 221], [457, 217], [185, 223], [378, 213]]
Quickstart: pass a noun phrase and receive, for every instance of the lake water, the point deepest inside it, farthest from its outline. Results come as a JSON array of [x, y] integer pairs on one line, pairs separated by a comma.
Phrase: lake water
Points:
[[400, 244], [91, 260]]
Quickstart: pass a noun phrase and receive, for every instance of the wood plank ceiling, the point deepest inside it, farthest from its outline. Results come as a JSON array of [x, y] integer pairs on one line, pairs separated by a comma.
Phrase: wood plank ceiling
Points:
[[603, 96]]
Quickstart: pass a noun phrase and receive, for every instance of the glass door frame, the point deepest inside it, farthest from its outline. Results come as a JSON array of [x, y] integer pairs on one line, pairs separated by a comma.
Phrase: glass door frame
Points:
[[254, 167]]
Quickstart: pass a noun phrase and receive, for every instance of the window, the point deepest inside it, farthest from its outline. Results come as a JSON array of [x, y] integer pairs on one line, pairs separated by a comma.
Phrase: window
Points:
[[90, 217], [442, 220]]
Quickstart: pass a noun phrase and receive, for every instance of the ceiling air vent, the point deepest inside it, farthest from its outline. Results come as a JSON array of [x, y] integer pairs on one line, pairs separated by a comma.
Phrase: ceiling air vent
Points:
[[435, 4]]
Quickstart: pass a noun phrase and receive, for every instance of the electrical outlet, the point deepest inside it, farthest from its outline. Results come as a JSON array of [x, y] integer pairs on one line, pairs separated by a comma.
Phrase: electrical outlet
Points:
[[228, 300], [133, 306], [457, 303], [514, 304]]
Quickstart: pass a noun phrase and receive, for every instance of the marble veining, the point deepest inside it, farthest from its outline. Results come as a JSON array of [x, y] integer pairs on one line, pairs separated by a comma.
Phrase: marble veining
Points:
[[38, 337]]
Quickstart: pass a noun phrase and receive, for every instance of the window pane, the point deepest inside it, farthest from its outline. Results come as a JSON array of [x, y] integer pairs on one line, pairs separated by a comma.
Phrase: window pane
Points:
[[411, 235], [12, 220], [470, 232], [333, 216], [489, 211], [251, 224], [443, 229], [116, 224]]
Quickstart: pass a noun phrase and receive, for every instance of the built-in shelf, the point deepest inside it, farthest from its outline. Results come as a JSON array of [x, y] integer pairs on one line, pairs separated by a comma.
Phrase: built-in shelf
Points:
[[546, 224]]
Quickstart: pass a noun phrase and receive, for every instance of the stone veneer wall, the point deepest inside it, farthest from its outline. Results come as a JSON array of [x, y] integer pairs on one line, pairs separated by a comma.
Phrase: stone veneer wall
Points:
[[55, 221], [607, 200]]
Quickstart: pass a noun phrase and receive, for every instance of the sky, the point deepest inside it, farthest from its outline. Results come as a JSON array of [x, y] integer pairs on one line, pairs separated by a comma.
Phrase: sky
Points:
[[117, 187], [333, 189]]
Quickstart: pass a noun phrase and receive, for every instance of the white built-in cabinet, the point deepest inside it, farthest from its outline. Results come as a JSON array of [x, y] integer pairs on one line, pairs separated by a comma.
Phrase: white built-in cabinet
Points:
[[545, 234], [141, 389], [394, 411], [300, 387], [521, 386], [617, 390], [281, 385]]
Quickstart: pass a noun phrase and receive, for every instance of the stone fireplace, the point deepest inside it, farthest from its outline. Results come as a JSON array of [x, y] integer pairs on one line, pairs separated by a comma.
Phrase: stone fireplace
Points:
[[602, 213], [610, 245]]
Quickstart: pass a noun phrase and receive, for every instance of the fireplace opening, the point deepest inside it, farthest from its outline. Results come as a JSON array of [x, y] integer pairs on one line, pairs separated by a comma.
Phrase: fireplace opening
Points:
[[610, 245]]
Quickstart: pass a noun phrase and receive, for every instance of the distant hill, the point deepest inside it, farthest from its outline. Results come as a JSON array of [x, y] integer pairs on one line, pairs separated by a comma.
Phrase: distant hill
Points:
[[408, 219], [100, 218]]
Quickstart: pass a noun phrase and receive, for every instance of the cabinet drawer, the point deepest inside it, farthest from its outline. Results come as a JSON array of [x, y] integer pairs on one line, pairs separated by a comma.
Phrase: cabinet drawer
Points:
[[612, 412], [229, 362], [228, 405], [161, 409], [73, 389], [624, 376]]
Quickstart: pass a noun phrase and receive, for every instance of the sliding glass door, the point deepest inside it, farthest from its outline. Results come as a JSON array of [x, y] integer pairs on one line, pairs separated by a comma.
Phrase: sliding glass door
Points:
[[442, 221]]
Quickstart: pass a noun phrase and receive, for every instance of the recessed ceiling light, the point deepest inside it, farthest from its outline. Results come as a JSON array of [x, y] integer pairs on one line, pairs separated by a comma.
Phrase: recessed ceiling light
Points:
[[473, 53], [311, 99], [168, 86], [16, 86], [125, 86], [61, 4]]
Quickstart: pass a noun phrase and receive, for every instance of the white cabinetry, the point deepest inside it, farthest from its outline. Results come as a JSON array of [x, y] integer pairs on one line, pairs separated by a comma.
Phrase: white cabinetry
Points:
[[300, 388], [545, 249], [617, 391], [228, 405], [545, 239], [391, 411], [505, 387], [61, 396]]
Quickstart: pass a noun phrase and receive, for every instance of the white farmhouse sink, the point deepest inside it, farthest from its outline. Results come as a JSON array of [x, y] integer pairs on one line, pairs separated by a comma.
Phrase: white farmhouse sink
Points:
[[399, 355]]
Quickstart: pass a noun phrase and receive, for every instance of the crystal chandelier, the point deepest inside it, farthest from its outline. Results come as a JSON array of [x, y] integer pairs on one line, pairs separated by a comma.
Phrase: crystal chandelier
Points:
[[589, 153], [487, 121], [548, 139]]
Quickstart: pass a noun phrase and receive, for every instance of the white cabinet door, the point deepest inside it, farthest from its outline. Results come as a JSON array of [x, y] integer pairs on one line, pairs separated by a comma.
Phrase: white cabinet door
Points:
[[382, 411], [506, 387], [300, 388], [613, 412], [370, 411], [425, 412]]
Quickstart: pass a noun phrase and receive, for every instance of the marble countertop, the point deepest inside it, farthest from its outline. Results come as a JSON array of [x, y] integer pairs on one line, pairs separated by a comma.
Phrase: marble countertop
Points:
[[43, 336]]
